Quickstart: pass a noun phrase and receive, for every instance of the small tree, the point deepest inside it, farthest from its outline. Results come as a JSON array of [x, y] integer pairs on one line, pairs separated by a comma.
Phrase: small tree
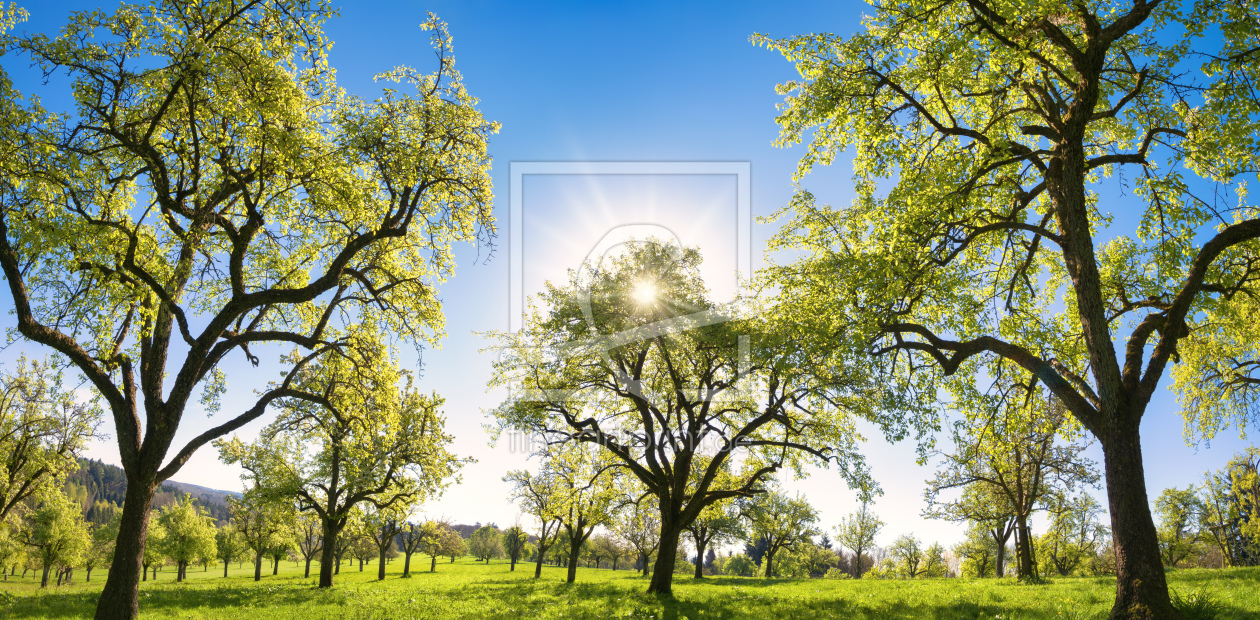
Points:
[[934, 561], [782, 521], [101, 550], [978, 551], [540, 497], [55, 531], [383, 526], [514, 541], [486, 543], [308, 534], [190, 534], [857, 532], [1074, 534], [638, 523], [908, 553], [229, 545], [717, 524], [1177, 511], [261, 525], [437, 539]]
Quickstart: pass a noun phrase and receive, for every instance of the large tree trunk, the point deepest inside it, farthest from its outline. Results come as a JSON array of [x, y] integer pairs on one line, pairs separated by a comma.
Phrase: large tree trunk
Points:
[[575, 546], [1023, 546], [542, 552], [328, 560], [666, 553], [225, 568], [433, 565], [43, 582], [87, 577], [700, 545], [120, 599], [380, 567], [407, 565], [308, 566], [1141, 591], [257, 567]]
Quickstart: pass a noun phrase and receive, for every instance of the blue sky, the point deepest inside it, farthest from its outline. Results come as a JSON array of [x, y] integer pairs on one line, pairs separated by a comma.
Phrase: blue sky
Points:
[[613, 81]]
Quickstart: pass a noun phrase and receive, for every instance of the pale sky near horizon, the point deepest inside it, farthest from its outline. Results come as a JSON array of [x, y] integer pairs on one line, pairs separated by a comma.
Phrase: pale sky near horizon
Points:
[[614, 81]]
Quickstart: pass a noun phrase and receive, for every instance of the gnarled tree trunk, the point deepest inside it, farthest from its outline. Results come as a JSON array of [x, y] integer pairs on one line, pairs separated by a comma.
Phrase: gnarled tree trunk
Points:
[[120, 598]]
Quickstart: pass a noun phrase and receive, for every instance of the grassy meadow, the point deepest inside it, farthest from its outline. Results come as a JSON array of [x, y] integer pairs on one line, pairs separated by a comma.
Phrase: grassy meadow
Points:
[[468, 589]]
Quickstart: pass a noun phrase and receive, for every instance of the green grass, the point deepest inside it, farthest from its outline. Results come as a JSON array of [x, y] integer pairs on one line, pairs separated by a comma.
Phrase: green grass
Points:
[[468, 589]]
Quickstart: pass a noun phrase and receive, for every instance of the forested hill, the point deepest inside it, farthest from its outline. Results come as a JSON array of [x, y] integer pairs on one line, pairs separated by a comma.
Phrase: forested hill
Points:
[[100, 489]]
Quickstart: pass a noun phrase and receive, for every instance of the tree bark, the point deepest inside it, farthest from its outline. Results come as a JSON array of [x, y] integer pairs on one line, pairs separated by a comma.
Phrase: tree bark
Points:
[[407, 565], [666, 553], [542, 551], [87, 578], [433, 565], [700, 545], [575, 546], [328, 560], [1023, 545], [1141, 590], [380, 567], [120, 598], [308, 566], [225, 568], [43, 582]]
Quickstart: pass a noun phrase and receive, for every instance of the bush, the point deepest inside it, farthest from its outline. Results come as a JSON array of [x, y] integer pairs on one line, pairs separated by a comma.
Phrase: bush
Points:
[[836, 573]]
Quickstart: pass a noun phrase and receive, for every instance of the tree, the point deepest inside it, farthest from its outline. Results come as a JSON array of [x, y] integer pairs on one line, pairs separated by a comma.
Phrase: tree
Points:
[[486, 543], [153, 556], [934, 564], [437, 539], [1228, 500], [308, 534], [56, 532], [983, 505], [190, 533], [152, 223], [634, 358], [857, 532], [101, 549], [1011, 442], [43, 431], [978, 550], [981, 132], [638, 523], [1177, 511], [1074, 533], [717, 524], [260, 524], [783, 522], [540, 498], [352, 431], [383, 527], [229, 545], [514, 541], [908, 552]]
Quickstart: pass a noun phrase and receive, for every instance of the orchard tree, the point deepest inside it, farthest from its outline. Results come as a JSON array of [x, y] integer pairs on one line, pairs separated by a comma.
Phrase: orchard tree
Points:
[[1020, 447], [486, 543], [630, 355], [981, 133], [1228, 498], [190, 533], [514, 542], [1074, 533], [101, 549], [260, 523], [1178, 512], [978, 551], [383, 527], [540, 497], [718, 524], [352, 430], [212, 190], [308, 534], [229, 545], [43, 431], [909, 554], [857, 532], [783, 522], [437, 539], [637, 522], [982, 505], [56, 533]]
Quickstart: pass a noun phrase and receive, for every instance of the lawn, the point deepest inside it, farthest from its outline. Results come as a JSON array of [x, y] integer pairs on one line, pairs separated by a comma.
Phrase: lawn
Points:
[[467, 589]]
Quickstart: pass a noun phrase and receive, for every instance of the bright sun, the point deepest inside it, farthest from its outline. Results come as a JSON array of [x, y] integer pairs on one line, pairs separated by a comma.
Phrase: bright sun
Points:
[[645, 292]]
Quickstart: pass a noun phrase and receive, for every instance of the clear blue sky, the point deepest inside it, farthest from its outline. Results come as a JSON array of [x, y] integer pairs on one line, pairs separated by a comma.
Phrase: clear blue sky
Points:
[[613, 81]]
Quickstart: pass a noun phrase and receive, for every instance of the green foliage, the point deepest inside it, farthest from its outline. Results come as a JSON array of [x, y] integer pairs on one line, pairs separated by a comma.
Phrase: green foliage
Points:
[[857, 532], [486, 543], [190, 533], [784, 522], [1177, 511], [740, 565], [1197, 605], [909, 555], [43, 430], [56, 533], [978, 551]]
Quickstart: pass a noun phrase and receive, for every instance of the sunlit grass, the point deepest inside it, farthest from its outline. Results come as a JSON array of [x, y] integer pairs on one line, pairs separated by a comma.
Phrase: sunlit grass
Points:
[[469, 589]]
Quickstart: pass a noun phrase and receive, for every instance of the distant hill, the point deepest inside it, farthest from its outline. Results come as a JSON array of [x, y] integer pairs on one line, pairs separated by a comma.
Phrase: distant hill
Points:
[[100, 489]]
